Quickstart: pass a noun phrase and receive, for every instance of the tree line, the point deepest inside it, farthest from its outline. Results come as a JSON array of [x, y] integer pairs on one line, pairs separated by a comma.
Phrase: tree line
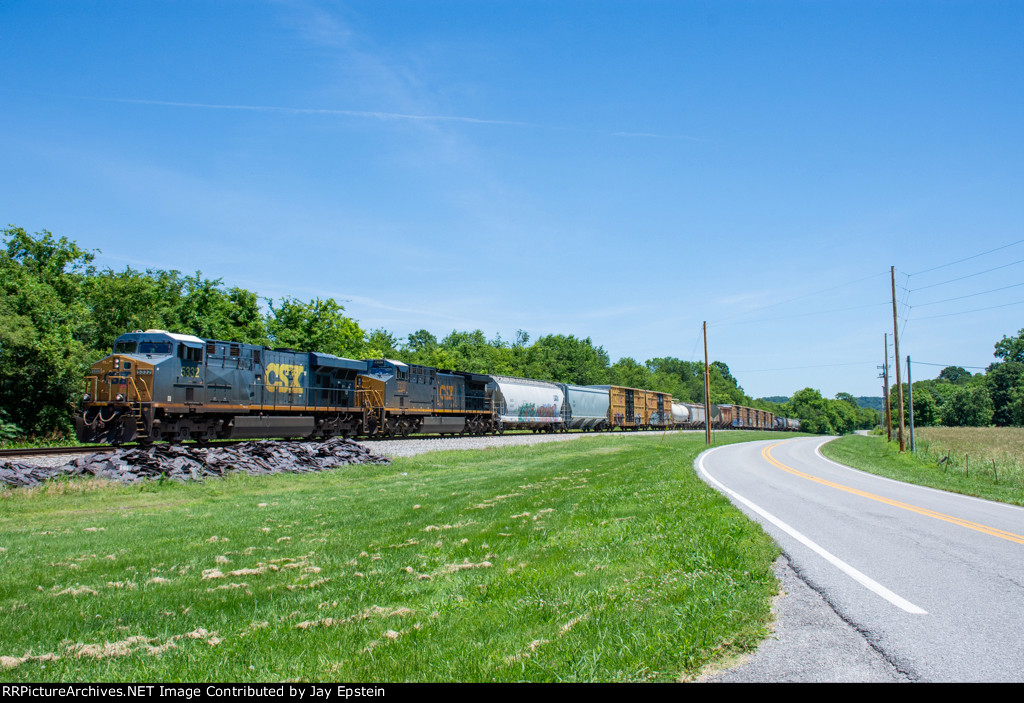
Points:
[[958, 398], [59, 313]]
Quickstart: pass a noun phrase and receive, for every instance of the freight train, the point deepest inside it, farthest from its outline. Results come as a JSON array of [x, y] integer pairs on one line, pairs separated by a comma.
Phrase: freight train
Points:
[[159, 385]]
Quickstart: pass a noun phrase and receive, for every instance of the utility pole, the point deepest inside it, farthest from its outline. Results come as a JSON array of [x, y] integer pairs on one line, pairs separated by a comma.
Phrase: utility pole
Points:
[[910, 388], [896, 346], [707, 390], [885, 389]]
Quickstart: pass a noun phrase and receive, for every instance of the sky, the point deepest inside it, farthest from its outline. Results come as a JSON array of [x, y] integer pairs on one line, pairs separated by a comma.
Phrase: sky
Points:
[[623, 171]]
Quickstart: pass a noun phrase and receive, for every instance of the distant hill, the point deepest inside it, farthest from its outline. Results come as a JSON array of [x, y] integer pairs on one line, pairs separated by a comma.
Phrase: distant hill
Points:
[[875, 402], [864, 401]]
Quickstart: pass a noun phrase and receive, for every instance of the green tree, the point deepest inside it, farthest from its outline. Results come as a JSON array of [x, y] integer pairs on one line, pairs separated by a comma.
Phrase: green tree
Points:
[[419, 348], [684, 379], [43, 322], [468, 351], [723, 370], [381, 344], [628, 372], [808, 406], [1011, 348], [318, 325], [957, 375], [566, 359], [926, 411], [1005, 384], [126, 301], [245, 320], [848, 399], [968, 407]]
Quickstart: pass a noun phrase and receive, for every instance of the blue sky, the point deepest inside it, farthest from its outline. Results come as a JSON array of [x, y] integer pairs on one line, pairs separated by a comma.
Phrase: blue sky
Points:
[[615, 170]]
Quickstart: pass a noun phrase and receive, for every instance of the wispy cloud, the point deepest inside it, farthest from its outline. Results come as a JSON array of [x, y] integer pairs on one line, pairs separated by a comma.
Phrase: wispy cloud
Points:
[[373, 114], [388, 116], [649, 135]]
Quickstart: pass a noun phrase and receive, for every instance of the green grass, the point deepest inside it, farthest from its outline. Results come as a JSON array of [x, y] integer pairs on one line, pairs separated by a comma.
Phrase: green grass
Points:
[[959, 474], [603, 559]]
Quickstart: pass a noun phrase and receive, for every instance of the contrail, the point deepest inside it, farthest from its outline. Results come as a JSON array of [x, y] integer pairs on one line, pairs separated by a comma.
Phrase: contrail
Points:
[[321, 111], [379, 115]]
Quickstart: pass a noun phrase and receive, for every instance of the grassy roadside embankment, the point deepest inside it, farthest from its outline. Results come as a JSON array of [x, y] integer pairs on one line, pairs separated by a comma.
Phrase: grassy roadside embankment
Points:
[[987, 462], [602, 559]]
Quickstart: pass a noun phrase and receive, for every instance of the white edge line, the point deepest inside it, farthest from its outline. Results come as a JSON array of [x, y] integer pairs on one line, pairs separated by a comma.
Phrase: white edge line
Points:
[[853, 573], [986, 501]]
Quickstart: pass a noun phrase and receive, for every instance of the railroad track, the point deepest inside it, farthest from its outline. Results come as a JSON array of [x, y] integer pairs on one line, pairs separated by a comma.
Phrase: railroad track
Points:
[[51, 451], [98, 448]]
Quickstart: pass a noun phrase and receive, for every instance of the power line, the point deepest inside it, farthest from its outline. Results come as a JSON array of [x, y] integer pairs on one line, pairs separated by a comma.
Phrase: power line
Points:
[[959, 261], [696, 343], [800, 314], [965, 312], [799, 297], [801, 368], [971, 275], [925, 363], [971, 295]]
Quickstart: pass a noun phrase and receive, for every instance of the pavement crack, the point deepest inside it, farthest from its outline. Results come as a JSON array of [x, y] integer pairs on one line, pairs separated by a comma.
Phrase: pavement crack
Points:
[[899, 666]]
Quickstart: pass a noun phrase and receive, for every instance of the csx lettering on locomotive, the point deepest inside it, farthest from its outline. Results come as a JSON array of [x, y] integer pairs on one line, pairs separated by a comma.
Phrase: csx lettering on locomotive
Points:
[[284, 378]]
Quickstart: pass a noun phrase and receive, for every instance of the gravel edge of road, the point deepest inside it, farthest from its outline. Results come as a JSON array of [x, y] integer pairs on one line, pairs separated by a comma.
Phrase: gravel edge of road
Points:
[[810, 643]]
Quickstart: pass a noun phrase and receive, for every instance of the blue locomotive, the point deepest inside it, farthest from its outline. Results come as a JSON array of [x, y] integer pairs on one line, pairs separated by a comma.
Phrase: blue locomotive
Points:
[[158, 385]]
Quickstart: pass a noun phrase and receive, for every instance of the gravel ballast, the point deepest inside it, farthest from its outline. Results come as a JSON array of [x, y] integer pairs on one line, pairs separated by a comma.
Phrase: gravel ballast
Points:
[[190, 463]]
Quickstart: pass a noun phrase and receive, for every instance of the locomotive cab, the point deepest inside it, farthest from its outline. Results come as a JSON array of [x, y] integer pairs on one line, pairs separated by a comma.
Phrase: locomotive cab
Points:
[[122, 388]]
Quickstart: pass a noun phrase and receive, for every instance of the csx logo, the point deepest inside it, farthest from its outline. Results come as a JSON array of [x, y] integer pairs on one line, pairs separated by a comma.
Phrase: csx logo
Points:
[[285, 378], [446, 394]]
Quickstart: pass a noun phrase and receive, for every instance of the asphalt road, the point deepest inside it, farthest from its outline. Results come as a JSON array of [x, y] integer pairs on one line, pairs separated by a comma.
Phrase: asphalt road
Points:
[[885, 581]]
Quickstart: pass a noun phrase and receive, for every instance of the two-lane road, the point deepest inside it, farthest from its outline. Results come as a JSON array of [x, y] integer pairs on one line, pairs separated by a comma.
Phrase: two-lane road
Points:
[[933, 581]]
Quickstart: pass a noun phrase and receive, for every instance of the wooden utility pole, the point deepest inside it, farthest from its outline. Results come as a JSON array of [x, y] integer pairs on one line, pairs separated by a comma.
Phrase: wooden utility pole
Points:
[[707, 390], [896, 346], [910, 389], [885, 388]]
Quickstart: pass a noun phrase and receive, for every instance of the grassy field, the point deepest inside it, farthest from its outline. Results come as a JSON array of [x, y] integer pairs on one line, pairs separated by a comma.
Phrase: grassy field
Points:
[[987, 462], [602, 559]]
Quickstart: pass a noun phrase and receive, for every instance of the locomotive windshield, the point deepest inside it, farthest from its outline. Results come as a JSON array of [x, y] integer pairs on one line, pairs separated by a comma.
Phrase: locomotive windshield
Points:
[[125, 347], [163, 348]]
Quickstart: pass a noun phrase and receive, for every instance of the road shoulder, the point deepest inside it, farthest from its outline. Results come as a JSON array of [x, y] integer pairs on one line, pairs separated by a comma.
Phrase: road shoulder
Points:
[[810, 644]]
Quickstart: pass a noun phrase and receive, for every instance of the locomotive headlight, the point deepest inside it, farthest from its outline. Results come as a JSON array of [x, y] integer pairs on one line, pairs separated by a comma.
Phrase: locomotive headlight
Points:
[[86, 398], [120, 397], [117, 364]]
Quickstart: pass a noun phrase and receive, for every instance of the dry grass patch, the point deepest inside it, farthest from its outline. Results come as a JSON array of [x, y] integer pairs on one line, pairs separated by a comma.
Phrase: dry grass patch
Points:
[[996, 449]]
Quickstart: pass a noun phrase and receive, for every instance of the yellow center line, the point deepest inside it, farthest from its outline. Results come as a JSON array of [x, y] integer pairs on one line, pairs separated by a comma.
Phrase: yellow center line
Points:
[[993, 531]]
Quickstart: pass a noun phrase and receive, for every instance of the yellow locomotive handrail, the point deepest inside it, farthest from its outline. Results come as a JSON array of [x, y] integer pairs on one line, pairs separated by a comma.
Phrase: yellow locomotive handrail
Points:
[[138, 396], [376, 399]]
